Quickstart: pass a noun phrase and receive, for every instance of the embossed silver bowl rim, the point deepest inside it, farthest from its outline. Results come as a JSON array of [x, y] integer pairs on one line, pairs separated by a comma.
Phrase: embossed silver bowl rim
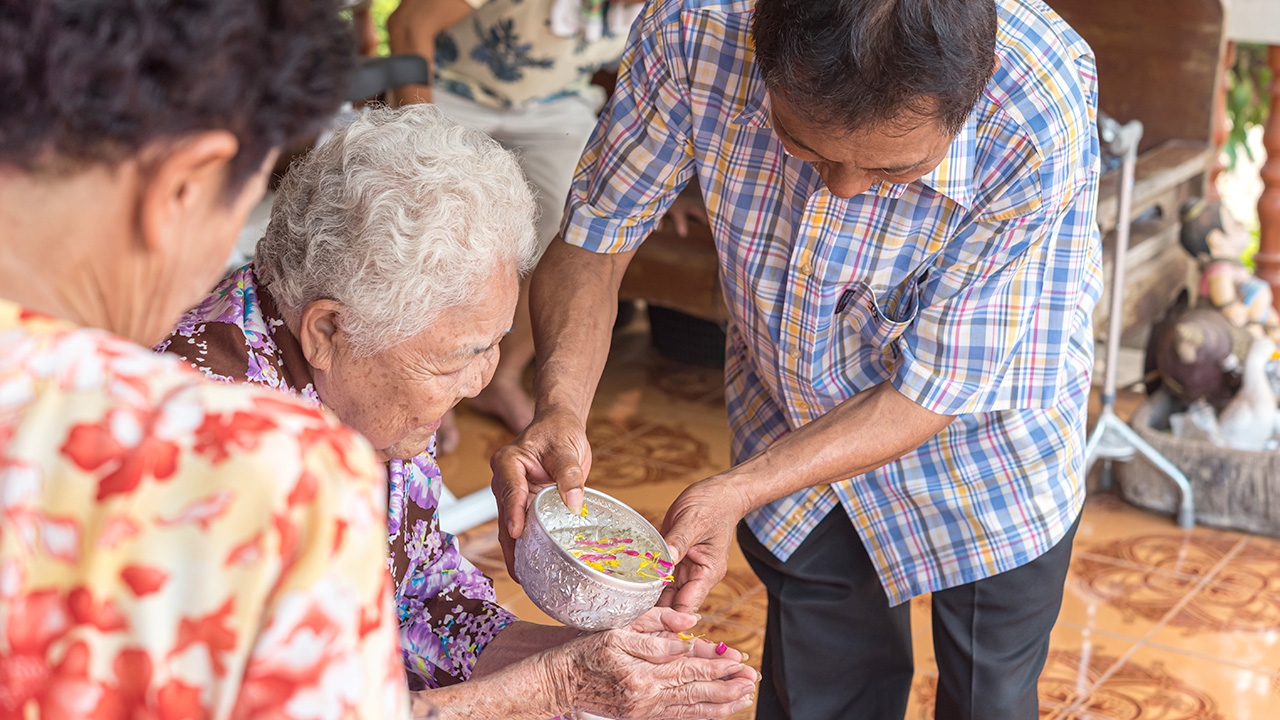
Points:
[[616, 506]]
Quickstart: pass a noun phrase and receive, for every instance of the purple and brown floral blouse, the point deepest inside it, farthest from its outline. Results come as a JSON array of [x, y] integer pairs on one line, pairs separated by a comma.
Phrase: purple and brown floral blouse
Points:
[[448, 610]]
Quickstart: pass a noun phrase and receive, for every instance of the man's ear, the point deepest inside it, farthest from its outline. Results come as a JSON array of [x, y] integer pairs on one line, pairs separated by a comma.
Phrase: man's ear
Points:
[[180, 182], [319, 331]]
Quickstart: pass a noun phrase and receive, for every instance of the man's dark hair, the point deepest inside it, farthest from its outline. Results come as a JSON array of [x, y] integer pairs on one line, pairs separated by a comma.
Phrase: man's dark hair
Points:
[[87, 82], [855, 64]]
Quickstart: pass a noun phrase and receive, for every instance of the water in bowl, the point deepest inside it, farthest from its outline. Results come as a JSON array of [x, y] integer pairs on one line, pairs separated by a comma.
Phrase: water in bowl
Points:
[[616, 551]]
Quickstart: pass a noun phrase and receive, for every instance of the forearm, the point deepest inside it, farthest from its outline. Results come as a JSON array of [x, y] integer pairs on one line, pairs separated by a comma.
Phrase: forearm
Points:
[[865, 432], [573, 301], [518, 641], [413, 26], [534, 688]]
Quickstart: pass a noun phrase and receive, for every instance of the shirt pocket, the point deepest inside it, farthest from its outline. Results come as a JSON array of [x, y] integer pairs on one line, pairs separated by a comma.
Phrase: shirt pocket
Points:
[[879, 319]]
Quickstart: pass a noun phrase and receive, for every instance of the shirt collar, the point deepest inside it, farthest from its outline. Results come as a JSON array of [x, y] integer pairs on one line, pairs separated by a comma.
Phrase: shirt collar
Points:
[[953, 178]]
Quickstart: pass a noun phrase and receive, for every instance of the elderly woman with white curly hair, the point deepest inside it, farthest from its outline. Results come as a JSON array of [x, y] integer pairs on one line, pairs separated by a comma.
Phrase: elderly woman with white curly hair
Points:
[[386, 278]]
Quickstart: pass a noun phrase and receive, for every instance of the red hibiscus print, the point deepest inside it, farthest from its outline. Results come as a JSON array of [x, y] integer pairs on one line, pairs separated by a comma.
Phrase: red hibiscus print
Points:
[[202, 512], [133, 676], [69, 694], [179, 701], [211, 631], [246, 553], [132, 696], [304, 491], [315, 427], [143, 580], [219, 433], [288, 541], [124, 443], [104, 616], [61, 691], [118, 529], [307, 657]]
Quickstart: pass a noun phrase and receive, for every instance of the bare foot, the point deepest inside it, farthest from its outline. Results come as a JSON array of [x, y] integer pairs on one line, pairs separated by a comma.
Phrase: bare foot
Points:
[[507, 401], [448, 435]]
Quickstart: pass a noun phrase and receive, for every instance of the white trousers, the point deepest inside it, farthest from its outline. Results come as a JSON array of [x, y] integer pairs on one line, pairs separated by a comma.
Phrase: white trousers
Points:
[[547, 137]]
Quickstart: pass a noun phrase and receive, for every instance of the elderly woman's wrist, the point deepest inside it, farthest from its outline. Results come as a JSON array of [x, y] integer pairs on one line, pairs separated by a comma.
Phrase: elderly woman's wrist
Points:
[[560, 676]]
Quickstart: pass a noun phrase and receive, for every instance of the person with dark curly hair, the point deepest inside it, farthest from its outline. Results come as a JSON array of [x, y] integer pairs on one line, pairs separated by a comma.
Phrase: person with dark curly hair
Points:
[[169, 546], [903, 198]]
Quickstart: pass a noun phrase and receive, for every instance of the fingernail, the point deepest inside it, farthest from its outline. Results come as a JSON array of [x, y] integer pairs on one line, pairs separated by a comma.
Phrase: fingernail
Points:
[[679, 647], [697, 617], [745, 657], [574, 497]]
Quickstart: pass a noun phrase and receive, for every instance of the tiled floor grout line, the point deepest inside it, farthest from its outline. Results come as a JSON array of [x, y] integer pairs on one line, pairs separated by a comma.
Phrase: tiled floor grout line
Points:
[[1260, 669], [1177, 608]]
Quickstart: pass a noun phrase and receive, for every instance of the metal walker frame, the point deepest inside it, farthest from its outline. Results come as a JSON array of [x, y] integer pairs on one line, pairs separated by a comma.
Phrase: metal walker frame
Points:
[[1112, 439]]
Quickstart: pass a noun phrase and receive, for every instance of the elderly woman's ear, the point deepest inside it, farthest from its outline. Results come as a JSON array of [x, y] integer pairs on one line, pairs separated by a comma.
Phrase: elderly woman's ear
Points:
[[319, 333]]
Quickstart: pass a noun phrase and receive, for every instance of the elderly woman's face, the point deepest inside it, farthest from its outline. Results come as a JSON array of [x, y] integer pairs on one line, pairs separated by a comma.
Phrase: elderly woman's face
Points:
[[396, 398]]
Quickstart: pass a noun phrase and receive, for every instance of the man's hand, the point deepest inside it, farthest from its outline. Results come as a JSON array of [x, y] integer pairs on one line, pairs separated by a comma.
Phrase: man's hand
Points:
[[553, 450], [699, 529]]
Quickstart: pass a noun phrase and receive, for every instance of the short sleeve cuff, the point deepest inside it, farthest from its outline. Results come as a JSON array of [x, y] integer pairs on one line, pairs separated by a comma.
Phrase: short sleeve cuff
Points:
[[933, 390], [603, 234]]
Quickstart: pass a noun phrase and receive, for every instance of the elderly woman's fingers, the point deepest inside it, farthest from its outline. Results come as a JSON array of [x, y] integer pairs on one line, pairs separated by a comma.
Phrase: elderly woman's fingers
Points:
[[710, 649], [664, 619], [707, 698], [623, 673], [701, 711]]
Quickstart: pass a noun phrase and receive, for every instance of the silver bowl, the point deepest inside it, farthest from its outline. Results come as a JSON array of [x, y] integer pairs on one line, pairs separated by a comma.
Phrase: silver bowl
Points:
[[563, 586]]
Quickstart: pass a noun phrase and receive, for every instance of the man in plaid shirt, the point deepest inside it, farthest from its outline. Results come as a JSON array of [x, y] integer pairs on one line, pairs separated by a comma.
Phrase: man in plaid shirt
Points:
[[902, 193]]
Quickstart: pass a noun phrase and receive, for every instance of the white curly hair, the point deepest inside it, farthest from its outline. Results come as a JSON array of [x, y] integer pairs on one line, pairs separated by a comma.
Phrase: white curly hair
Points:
[[399, 216]]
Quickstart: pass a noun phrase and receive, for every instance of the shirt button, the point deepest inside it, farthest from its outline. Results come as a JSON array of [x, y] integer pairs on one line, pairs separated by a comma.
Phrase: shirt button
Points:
[[806, 269], [794, 353]]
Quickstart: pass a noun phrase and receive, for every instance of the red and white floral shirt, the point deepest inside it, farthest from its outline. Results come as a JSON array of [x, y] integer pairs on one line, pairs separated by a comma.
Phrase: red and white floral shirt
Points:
[[175, 548]]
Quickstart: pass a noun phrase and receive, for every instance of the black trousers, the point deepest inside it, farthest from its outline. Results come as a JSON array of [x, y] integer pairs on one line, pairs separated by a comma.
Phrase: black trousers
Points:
[[834, 648]]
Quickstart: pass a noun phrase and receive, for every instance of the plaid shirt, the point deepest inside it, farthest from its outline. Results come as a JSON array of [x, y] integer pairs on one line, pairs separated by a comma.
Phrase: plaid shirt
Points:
[[971, 289]]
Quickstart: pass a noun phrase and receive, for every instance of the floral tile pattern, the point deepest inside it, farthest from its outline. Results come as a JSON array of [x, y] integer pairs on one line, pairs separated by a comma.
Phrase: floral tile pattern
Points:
[[1157, 623]]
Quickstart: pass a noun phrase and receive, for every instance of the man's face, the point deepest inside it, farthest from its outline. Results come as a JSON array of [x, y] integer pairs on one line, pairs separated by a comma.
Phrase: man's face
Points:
[[851, 162]]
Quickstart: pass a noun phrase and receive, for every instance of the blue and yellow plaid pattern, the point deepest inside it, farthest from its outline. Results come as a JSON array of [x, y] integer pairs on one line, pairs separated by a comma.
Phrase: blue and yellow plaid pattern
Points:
[[971, 290]]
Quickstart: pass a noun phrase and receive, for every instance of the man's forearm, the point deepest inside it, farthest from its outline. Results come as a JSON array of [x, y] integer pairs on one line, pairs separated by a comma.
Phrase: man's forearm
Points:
[[573, 301], [865, 432]]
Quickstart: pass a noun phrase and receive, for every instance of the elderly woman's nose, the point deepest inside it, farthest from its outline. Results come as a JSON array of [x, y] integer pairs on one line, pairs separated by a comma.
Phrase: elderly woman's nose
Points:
[[483, 374]]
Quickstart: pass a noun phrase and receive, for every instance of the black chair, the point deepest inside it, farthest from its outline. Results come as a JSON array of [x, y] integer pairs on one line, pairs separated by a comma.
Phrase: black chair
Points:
[[376, 76]]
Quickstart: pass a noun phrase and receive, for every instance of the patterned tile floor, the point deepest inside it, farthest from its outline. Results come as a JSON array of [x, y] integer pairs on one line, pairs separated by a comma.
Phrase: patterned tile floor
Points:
[[1157, 623]]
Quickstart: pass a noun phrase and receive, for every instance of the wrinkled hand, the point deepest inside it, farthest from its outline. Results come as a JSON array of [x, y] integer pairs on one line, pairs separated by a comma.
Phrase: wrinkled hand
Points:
[[669, 623], [632, 673], [553, 450], [688, 205], [699, 529]]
